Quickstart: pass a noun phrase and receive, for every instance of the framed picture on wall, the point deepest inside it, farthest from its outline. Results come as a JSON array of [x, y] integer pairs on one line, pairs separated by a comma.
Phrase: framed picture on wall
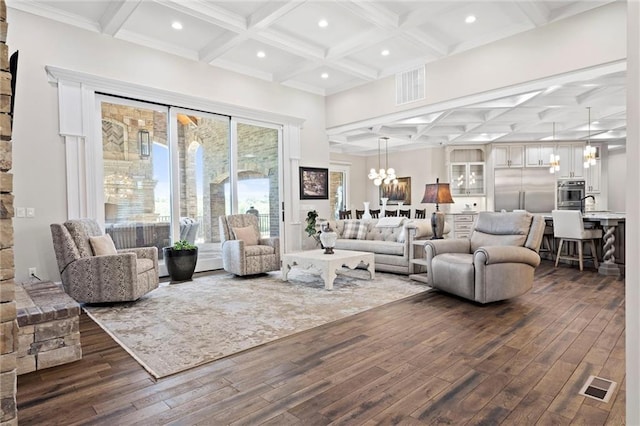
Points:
[[397, 192], [314, 183]]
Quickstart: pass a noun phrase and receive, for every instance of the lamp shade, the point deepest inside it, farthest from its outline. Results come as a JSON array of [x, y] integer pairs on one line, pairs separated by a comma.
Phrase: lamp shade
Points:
[[437, 193]]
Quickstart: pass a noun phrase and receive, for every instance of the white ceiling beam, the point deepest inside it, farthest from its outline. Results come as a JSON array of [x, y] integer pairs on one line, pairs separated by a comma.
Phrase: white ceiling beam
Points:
[[270, 12], [290, 44], [219, 46], [209, 13], [116, 15], [535, 11], [373, 13]]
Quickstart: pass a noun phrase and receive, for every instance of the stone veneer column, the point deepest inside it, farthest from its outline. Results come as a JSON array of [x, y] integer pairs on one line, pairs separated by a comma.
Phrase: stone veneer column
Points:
[[8, 323]]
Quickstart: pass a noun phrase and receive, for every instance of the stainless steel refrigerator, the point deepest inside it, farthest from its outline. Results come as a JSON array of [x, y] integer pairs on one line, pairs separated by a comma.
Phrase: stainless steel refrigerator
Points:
[[531, 189]]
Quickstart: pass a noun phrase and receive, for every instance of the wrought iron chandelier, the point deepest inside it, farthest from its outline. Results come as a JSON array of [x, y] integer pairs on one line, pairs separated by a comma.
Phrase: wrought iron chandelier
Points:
[[386, 175]]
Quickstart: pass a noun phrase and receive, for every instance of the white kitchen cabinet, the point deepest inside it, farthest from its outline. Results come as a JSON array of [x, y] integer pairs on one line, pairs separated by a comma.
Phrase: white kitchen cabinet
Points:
[[539, 155], [467, 179], [461, 224], [505, 156], [571, 160]]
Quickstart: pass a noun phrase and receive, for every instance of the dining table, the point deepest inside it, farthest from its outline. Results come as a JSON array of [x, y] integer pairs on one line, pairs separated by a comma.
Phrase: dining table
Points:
[[608, 221]]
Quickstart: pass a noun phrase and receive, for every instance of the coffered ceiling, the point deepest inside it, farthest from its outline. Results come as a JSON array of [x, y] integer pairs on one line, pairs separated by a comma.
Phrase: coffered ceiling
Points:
[[325, 47]]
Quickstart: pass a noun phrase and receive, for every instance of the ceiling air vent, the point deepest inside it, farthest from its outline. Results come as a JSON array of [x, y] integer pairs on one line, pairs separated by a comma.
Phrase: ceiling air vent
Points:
[[410, 85], [598, 388]]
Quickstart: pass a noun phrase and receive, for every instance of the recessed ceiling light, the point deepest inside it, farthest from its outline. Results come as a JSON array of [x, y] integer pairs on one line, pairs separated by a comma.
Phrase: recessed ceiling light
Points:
[[261, 54], [324, 75], [176, 25], [323, 23], [385, 52], [470, 19]]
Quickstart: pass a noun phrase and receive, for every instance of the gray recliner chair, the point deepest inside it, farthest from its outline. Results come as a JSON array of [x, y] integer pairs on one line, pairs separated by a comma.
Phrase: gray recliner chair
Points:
[[123, 276], [497, 262], [244, 251]]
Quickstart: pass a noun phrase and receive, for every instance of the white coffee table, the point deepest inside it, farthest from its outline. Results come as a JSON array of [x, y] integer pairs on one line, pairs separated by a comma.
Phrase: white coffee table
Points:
[[328, 264]]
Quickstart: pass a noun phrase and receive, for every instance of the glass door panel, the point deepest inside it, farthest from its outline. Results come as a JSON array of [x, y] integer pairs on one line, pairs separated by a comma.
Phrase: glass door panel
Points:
[[201, 179], [337, 193], [136, 187], [257, 175]]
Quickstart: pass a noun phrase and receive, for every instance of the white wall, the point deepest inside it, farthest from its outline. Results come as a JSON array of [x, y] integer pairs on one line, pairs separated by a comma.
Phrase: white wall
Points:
[[617, 179], [39, 154], [570, 44]]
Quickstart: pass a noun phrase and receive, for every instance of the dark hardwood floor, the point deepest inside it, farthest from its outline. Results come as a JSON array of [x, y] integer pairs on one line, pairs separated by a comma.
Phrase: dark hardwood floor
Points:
[[428, 359]]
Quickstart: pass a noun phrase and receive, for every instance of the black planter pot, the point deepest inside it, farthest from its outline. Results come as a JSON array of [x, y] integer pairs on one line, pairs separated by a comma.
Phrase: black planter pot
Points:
[[180, 263]]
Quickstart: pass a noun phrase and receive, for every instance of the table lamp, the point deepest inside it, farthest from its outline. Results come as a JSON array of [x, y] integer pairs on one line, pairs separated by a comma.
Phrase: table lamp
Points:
[[437, 193]]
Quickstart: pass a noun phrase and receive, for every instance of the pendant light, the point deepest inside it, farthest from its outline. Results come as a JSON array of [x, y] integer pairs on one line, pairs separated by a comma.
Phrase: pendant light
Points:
[[589, 150], [386, 175], [554, 159]]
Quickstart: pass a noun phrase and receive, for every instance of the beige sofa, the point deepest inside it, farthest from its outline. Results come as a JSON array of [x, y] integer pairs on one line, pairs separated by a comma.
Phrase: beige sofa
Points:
[[390, 239]]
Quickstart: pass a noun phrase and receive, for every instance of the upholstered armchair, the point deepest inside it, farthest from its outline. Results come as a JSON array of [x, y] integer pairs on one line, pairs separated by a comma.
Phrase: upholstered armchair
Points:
[[93, 271], [244, 252], [497, 262]]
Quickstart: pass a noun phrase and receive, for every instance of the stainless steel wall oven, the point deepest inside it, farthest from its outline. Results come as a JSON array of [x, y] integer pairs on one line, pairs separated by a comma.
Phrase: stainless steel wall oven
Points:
[[570, 194]]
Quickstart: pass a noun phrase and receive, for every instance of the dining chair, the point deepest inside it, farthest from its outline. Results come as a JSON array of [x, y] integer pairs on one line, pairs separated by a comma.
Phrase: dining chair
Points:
[[569, 227], [421, 214], [390, 213], [344, 214], [405, 213], [375, 214], [359, 214]]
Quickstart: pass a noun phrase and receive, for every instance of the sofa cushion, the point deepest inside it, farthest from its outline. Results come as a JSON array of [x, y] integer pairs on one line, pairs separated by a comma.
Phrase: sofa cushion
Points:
[[258, 250], [354, 229], [390, 222], [144, 265], [373, 246], [454, 273]]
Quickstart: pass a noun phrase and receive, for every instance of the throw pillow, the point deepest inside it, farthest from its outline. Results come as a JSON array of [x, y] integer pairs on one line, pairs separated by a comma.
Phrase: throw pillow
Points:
[[354, 229], [102, 245], [246, 234]]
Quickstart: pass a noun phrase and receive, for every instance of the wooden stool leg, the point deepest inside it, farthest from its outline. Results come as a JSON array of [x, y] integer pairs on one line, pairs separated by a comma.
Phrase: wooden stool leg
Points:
[[559, 250], [580, 243], [594, 254]]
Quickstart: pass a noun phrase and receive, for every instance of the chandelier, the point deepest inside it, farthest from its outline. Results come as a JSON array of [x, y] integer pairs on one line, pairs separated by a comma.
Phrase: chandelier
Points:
[[387, 175], [589, 150], [554, 159]]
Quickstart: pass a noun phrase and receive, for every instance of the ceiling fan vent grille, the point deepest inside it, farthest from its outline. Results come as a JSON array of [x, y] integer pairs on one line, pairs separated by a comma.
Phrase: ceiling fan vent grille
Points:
[[410, 85]]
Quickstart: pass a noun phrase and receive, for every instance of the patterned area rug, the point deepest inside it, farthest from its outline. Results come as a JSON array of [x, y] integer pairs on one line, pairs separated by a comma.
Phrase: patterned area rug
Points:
[[181, 326]]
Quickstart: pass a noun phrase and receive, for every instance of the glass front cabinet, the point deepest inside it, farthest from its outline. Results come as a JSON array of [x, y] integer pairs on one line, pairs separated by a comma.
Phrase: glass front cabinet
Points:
[[466, 168], [467, 179]]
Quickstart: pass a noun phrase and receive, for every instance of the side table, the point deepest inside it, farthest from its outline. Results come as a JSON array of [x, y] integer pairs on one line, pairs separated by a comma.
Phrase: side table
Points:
[[418, 264]]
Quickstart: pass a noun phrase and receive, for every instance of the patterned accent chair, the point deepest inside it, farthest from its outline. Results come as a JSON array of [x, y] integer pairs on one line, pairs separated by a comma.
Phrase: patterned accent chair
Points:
[[244, 252], [121, 277], [497, 262]]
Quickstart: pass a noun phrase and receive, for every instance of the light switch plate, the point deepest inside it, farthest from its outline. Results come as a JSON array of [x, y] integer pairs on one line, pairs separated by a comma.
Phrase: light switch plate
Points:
[[20, 212], [31, 212]]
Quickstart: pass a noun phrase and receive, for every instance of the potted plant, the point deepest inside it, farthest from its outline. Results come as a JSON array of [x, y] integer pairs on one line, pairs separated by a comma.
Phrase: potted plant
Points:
[[311, 226], [181, 260]]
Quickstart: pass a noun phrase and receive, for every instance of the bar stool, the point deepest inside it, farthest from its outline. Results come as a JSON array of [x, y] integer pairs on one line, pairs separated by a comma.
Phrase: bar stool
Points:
[[569, 227]]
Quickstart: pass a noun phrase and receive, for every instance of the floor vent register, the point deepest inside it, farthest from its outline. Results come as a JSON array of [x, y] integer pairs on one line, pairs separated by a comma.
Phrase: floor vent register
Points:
[[598, 388]]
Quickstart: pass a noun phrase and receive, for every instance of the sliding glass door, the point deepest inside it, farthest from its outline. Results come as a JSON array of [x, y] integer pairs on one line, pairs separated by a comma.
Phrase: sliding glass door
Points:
[[169, 173], [135, 173], [258, 177]]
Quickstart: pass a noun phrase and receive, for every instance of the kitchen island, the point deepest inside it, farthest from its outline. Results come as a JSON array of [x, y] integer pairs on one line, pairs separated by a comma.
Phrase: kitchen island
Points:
[[613, 237]]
